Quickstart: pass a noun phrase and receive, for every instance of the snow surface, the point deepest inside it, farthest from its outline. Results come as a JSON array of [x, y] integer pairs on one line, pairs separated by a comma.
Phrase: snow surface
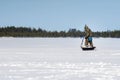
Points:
[[58, 59]]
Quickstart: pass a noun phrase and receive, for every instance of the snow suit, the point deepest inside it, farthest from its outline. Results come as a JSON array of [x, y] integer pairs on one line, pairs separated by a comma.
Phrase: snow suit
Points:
[[88, 36]]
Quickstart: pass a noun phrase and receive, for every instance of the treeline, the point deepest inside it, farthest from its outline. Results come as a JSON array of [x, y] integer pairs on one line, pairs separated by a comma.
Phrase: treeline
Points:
[[12, 31]]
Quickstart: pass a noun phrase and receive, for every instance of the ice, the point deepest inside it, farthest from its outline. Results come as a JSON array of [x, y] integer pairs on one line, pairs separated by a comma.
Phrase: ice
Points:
[[58, 59]]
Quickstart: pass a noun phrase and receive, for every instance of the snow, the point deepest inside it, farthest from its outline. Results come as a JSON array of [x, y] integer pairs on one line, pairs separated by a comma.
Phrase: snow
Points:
[[58, 59]]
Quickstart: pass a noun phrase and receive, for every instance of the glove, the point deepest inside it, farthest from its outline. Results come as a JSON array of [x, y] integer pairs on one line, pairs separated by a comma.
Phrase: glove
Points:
[[86, 37]]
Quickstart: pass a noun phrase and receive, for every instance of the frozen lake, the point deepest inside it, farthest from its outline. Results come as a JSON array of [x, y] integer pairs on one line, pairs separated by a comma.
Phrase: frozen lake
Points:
[[58, 59]]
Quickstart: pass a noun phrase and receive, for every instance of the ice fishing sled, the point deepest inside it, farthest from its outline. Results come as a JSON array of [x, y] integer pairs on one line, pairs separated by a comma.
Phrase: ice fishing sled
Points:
[[88, 48]]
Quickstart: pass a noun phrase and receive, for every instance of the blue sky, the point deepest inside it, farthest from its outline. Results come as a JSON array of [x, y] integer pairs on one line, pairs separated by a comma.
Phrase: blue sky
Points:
[[61, 14]]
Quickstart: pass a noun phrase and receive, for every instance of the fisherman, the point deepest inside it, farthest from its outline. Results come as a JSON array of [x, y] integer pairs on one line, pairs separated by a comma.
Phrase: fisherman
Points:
[[88, 36]]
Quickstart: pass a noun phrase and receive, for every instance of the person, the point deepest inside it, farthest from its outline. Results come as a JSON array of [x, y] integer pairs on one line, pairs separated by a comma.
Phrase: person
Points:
[[88, 36]]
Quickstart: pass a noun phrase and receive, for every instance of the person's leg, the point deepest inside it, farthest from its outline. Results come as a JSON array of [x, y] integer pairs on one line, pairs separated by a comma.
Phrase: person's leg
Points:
[[90, 41], [91, 44], [86, 42]]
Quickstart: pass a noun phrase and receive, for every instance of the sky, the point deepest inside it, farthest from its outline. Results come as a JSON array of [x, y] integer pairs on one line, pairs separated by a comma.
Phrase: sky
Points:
[[99, 15]]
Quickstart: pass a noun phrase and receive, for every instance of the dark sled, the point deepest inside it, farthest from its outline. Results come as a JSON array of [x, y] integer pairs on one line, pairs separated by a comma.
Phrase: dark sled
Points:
[[88, 48]]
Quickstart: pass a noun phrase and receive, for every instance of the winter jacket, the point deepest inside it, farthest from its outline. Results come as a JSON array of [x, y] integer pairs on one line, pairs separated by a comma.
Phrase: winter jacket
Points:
[[88, 32]]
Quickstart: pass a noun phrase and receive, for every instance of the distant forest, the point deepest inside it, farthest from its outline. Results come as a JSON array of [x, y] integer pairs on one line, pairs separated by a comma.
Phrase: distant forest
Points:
[[12, 31]]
